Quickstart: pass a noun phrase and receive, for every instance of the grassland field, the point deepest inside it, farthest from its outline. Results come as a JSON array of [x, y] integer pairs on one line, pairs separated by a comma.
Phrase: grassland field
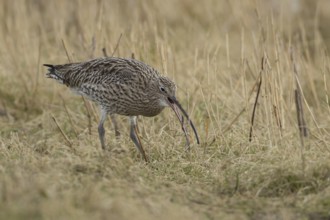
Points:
[[232, 60]]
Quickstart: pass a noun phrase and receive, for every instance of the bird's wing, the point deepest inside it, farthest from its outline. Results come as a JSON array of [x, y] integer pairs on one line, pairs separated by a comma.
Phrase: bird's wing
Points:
[[95, 92], [97, 71]]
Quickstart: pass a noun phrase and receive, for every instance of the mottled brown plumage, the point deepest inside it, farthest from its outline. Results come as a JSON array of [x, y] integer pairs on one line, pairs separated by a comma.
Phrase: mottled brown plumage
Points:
[[121, 86]]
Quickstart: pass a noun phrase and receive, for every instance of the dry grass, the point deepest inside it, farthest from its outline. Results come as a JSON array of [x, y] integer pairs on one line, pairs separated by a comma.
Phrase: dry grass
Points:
[[213, 50]]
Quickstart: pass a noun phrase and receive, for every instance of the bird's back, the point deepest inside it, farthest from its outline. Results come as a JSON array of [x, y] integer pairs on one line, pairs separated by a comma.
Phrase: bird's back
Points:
[[99, 70], [119, 85]]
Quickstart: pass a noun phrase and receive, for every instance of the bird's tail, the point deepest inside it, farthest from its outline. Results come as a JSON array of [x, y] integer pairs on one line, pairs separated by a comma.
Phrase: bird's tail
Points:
[[53, 73]]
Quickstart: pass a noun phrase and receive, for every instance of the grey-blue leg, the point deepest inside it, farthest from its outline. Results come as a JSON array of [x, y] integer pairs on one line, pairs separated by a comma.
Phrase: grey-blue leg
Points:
[[135, 138], [101, 128]]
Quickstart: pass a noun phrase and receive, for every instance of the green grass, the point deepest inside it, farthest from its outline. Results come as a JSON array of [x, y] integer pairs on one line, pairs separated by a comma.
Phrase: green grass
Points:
[[213, 51]]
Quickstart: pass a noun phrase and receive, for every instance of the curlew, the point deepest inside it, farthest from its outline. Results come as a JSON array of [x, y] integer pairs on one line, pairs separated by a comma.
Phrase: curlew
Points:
[[122, 86]]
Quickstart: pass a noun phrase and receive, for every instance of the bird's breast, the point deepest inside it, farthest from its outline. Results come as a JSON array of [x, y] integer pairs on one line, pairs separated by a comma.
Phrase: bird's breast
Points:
[[151, 111]]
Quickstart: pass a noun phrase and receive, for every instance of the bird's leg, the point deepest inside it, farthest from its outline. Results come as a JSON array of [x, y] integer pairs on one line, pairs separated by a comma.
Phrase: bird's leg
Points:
[[101, 128], [135, 138], [115, 125], [137, 125]]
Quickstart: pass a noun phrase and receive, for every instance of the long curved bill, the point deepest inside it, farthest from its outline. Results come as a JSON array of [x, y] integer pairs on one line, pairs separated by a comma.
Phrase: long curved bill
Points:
[[175, 105]]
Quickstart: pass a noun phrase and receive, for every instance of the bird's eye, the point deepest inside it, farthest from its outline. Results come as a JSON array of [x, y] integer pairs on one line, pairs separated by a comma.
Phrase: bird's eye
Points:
[[162, 89]]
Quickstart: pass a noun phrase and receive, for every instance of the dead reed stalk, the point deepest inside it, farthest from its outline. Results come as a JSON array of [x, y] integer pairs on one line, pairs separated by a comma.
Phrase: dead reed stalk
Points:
[[299, 108], [257, 97], [62, 132]]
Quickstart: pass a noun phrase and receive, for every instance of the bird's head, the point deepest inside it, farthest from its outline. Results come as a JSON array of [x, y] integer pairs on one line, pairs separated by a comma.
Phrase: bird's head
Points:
[[166, 97], [166, 91]]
